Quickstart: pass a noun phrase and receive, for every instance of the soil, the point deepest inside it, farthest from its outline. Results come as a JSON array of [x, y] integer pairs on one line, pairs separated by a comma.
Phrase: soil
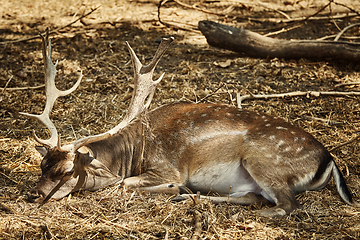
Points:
[[194, 72]]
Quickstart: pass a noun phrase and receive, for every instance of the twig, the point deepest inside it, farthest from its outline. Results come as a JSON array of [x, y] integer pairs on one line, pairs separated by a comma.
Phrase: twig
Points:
[[7, 83], [166, 233], [162, 2], [52, 31], [198, 9], [9, 178], [351, 9], [330, 16], [281, 31], [6, 208], [327, 121], [22, 88], [344, 30], [347, 84], [273, 9], [334, 35], [46, 229], [320, 10], [240, 98], [214, 92], [345, 143], [300, 19], [168, 24], [198, 227]]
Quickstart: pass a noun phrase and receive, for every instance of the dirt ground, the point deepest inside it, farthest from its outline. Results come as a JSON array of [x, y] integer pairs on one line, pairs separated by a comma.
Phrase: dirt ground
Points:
[[194, 70]]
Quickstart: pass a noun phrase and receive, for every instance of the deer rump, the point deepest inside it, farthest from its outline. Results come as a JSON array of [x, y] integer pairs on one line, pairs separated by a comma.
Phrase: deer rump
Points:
[[243, 156]]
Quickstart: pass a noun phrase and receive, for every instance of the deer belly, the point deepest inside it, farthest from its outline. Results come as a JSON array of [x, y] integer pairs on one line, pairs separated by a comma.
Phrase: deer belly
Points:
[[223, 179]]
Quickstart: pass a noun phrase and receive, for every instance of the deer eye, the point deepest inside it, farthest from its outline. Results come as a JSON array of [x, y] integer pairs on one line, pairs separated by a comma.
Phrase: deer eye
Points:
[[69, 173]]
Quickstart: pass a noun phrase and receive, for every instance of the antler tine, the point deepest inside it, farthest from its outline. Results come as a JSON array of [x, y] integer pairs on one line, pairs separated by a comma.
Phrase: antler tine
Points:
[[144, 85], [142, 95], [52, 93]]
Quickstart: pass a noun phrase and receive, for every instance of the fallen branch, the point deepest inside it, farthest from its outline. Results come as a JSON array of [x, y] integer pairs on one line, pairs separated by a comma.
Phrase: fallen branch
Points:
[[255, 45], [240, 98], [52, 31]]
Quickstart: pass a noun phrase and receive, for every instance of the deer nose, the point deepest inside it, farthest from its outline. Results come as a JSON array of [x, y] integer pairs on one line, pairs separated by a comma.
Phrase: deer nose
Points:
[[35, 196]]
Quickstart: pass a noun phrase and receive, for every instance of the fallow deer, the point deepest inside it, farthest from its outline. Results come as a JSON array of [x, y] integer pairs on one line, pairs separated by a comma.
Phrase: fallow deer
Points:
[[243, 156]]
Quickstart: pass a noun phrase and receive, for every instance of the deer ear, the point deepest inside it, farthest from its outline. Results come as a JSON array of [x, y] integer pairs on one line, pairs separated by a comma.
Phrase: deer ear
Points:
[[42, 150]]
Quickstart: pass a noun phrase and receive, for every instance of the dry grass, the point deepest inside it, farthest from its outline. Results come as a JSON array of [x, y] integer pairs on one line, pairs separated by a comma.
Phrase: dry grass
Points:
[[99, 50]]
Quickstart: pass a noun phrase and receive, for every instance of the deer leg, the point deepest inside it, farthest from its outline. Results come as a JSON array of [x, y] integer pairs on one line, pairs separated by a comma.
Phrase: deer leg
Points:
[[285, 203], [155, 184], [274, 186], [248, 199]]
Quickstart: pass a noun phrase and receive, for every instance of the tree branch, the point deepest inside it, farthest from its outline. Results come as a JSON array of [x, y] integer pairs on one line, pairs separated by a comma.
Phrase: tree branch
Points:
[[240, 98], [255, 45]]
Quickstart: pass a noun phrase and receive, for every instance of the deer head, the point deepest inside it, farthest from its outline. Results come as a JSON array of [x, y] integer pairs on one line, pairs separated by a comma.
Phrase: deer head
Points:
[[69, 167]]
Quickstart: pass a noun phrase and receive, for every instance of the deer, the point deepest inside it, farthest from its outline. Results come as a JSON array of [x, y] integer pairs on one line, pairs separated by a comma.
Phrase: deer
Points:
[[242, 156]]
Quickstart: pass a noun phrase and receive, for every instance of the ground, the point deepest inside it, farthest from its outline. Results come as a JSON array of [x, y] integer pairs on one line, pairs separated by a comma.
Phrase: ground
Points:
[[193, 71]]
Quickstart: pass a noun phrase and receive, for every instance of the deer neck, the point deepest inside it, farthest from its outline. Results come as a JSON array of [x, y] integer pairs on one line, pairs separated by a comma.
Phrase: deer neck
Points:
[[121, 153]]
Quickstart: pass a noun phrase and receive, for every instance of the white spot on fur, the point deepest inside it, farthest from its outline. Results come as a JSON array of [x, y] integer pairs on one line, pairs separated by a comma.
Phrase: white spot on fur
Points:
[[280, 127], [278, 159], [281, 142], [268, 125], [272, 137], [287, 149], [299, 149]]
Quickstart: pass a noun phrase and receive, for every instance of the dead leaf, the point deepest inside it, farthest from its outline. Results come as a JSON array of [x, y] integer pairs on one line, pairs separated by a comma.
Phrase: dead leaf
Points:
[[225, 64]]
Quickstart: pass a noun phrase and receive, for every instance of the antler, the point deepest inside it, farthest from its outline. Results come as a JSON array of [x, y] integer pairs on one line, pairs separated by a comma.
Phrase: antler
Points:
[[52, 93], [141, 98]]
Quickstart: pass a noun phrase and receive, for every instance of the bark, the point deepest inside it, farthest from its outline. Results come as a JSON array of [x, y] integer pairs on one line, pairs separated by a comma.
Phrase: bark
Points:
[[255, 45]]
